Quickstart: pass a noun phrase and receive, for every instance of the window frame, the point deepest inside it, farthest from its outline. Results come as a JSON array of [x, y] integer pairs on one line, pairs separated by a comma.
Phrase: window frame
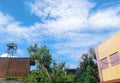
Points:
[[116, 61], [104, 63]]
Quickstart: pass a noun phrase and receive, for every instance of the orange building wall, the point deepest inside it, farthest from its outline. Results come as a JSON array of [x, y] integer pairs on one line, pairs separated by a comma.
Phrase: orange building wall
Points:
[[105, 49]]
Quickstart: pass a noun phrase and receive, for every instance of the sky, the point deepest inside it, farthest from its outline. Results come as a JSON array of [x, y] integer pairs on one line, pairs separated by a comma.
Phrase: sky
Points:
[[67, 27]]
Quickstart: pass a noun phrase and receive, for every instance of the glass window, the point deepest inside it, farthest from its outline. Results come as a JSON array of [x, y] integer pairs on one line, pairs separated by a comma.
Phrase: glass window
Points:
[[114, 58], [104, 63]]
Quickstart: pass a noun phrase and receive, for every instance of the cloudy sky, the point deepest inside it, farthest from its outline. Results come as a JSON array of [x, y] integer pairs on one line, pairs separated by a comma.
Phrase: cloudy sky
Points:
[[68, 27]]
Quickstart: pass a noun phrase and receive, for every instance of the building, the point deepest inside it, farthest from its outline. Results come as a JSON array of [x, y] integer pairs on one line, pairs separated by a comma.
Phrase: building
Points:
[[71, 71], [14, 66], [108, 58]]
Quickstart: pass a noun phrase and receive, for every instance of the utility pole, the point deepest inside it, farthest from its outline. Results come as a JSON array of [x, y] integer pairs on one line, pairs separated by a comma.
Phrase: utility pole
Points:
[[58, 59]]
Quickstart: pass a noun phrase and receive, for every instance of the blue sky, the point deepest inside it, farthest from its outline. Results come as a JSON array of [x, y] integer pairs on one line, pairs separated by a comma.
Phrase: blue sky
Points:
[[68, 27]]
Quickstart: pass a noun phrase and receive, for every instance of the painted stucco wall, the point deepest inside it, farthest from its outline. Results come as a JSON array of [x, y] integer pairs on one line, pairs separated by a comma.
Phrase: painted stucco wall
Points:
[[108, 47]]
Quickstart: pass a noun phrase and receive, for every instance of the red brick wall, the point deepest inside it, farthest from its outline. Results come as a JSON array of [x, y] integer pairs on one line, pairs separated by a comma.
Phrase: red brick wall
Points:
[[14, 67], [3, 67]]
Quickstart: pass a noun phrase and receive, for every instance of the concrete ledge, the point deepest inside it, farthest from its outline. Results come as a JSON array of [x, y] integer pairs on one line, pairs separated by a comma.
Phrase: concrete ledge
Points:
[[4, 80], [111, 81]]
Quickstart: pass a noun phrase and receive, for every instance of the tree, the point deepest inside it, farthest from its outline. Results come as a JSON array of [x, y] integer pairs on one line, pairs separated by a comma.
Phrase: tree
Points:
[[48, 71], [37, 76], [88, 71], [42, 57], [59, 74]]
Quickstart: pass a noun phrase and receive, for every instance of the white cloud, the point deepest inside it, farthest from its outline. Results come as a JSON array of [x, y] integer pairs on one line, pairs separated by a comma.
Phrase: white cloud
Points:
[[7, 55], [106, 18], [74, 16], [70, 15], [60, 8], [4, 55], [11, 30], [5, 19], [20, 52]]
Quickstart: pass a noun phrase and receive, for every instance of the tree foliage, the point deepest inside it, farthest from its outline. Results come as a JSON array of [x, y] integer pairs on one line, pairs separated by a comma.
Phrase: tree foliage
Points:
[[59, 74], [48, 71], [37, 76], [88, 71], [41, 55]]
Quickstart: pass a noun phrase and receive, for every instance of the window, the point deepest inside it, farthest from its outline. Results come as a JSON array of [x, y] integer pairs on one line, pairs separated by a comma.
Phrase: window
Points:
[[104, 63], [114, 58]]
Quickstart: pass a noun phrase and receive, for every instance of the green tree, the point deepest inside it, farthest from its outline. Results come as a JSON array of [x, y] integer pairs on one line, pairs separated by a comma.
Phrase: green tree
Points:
[[88, 71], [42, 57], [37, 76], [59, 74], [48, 71]]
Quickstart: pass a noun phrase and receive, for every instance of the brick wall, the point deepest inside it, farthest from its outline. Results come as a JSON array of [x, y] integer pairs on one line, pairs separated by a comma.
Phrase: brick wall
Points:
[[14, 67]]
